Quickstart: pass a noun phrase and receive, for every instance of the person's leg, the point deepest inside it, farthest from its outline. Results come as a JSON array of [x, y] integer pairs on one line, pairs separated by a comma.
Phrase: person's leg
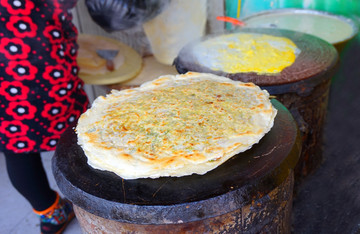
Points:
[[27, 175]]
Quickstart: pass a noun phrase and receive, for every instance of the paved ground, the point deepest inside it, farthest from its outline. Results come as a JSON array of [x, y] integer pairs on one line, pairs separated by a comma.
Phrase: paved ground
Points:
[[329, 200], [16, 216]]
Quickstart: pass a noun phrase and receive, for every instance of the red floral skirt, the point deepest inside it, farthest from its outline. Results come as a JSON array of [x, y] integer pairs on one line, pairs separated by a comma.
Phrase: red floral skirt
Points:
[[40, 92]]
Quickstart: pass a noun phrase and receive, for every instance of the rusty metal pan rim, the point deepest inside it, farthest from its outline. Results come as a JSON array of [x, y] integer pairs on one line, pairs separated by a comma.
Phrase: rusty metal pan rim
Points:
[[347, 20], [307, 85], [158, 214]]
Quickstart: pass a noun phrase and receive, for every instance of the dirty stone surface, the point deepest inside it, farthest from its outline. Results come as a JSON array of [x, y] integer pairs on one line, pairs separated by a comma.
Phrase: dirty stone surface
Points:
[[328, 201]]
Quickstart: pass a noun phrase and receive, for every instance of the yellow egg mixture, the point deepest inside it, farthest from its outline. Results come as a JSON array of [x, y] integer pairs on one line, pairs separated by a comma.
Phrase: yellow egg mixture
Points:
[[246, 52]]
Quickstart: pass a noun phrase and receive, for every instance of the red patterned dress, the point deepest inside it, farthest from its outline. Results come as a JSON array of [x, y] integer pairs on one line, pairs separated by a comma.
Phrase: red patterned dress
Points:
[[40, 92]]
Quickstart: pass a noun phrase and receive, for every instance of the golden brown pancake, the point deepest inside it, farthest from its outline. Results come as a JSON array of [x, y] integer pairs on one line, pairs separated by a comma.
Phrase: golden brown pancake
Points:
[[174, 125]]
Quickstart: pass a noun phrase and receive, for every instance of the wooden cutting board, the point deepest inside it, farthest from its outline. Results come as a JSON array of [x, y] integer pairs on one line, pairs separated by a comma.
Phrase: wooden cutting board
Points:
[[128, 70]]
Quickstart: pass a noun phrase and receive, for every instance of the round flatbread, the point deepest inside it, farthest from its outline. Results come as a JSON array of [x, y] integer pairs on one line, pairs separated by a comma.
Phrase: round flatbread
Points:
[[174, 125]]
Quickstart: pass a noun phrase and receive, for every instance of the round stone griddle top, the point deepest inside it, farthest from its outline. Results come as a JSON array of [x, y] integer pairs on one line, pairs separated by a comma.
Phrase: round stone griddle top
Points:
[[317, 57], [234, 183]]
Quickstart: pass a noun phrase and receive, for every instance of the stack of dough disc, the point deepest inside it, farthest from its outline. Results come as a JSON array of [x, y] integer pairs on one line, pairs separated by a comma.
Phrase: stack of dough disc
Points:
[[174, 126]]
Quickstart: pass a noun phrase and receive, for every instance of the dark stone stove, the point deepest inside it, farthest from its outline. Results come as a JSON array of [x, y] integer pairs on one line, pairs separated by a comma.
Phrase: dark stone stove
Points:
[[252, 191]]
